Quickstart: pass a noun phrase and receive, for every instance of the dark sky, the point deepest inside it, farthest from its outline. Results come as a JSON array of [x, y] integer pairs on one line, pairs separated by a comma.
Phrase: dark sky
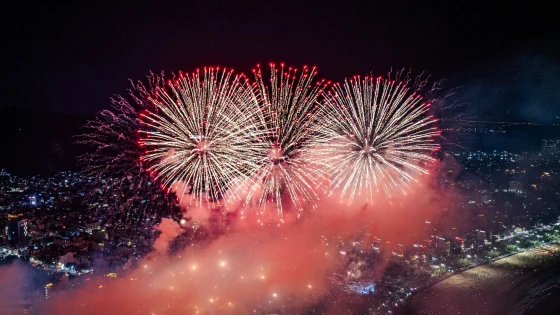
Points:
[[70, 58]]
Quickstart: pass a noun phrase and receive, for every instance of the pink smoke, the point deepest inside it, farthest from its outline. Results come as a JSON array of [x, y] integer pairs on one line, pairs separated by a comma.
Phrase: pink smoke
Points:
[[254, 266]]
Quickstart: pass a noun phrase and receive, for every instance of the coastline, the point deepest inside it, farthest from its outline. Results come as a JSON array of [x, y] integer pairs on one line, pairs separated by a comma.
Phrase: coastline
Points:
[[496, 287]]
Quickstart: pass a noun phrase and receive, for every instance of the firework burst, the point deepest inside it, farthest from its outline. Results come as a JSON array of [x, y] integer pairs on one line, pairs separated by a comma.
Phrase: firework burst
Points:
[[120, 187], [289, 103], [203, 132], [376, 136]]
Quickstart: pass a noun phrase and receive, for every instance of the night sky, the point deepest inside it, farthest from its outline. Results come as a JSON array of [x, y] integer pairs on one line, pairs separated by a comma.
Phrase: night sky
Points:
[[64, 61]]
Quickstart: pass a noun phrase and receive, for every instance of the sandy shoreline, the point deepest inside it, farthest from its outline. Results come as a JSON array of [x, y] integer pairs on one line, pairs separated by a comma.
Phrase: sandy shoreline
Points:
[[494, 288]]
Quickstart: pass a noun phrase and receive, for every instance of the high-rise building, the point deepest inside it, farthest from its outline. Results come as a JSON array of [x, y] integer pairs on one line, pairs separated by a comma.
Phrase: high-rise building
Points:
[[457, 245], [550, 148], [442, 245], [47, 287], [16, 230], [428, 229], [480, 236], [515, 187]]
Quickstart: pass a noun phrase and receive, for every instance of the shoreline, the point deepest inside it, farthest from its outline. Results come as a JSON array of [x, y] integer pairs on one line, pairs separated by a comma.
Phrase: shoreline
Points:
[[499, 278], [476, 266]]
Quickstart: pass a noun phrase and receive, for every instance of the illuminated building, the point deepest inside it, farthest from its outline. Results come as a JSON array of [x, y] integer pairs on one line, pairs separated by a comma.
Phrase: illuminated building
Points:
[[442, 245], [67, 258], [515, 187], [47, 287], [457, 245], [550, 148], [16, 230], [428, 228], [480, 236], [362, 288]]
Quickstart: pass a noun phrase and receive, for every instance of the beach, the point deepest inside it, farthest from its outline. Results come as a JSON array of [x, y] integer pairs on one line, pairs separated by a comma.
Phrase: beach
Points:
[[524, 283]]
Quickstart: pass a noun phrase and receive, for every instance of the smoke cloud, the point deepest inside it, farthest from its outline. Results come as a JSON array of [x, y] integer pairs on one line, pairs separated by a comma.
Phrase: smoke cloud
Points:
[[13, 277], [254, 267]]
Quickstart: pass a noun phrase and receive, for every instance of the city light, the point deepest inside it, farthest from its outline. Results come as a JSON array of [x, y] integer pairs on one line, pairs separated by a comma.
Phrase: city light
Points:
[[272, 212]]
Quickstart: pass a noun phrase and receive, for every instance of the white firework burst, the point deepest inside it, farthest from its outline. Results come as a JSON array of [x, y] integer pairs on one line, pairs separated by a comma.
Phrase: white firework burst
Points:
[[376, 135], [203, 132], [289, 103]]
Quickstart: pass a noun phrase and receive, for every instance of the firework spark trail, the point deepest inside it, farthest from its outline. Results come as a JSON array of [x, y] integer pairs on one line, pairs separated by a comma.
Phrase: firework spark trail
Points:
[[289, 103], [216, 137], [204, 132], [446, 104], [376, 134], [121, 185]]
